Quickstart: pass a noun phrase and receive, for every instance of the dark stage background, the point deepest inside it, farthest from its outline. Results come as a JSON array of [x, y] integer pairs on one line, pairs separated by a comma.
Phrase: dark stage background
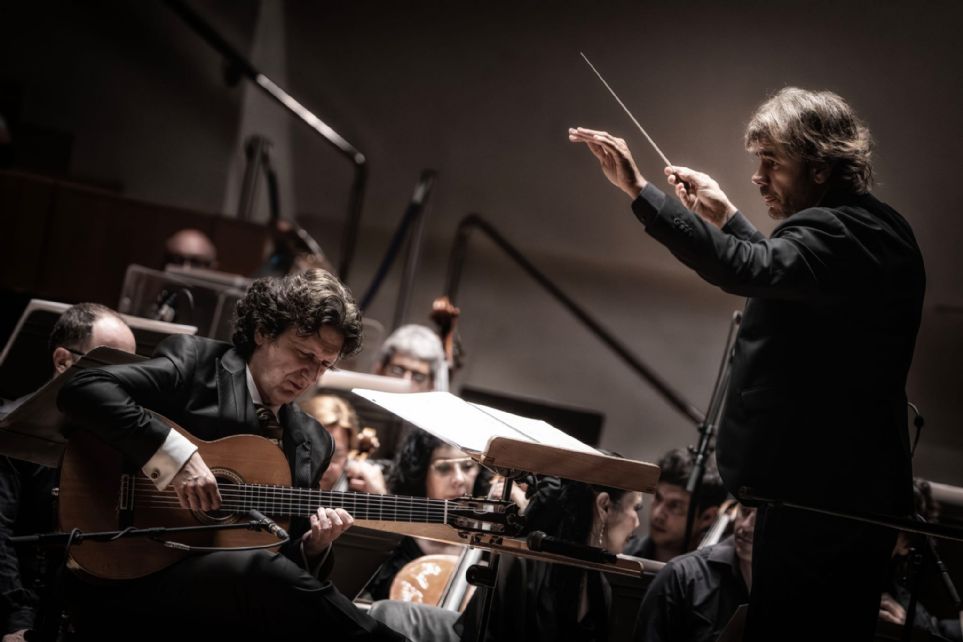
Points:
[[122, 96]]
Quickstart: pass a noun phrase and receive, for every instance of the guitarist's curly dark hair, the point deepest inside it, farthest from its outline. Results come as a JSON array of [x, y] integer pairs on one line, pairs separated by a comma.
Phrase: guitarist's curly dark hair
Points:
[[305, 302]]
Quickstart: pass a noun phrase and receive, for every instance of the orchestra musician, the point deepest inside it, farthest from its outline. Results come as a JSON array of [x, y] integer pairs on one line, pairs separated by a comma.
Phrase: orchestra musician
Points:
[[190, 248], [820, 361], [424, 467], [670, 508], [414, 352], [693, 596], [536, 600], [26, 500], [288, 332], [344, 472]]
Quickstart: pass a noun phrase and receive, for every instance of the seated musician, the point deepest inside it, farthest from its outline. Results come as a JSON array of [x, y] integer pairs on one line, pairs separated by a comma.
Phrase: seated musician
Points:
[[25, 489], [694, 596], [288, 332], [190, 248], [424, 467], [344, 473], [414, 352], [537, 600], [896, 597], [670, 507], [540, 600]]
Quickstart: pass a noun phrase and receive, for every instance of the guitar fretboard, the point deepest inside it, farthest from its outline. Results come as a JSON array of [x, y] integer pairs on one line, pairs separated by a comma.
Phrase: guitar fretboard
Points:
[[286, 501]]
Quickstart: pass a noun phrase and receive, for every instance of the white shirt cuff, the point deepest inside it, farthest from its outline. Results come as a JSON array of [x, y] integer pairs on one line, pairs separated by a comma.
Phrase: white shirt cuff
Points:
[[169, 458]]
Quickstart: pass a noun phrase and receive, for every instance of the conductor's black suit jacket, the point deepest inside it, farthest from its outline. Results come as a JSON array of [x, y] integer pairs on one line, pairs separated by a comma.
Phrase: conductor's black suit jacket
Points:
[[816, 406], [201, 385]]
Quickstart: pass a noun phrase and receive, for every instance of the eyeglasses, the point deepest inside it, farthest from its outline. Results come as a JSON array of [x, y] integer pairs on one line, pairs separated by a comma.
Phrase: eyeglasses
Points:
[[399, 371], [76, 353], [446, 467]]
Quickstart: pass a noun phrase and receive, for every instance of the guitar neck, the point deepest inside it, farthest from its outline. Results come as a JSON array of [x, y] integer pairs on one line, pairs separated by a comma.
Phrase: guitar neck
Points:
[[283, 501]]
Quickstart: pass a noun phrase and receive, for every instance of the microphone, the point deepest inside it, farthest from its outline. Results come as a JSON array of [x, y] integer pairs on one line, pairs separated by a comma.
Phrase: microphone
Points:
[[268, 523], [540, 542], [164, 307]]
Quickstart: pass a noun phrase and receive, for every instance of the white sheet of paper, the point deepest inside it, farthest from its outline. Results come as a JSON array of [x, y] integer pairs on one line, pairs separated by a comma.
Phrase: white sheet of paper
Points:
[[466, 425]]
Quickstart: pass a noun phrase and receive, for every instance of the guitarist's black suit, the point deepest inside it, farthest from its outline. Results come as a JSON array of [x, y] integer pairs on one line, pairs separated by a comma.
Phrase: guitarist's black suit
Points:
[[201, 385]]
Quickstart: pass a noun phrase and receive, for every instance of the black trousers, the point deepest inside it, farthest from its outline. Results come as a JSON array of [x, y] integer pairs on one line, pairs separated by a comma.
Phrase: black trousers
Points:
[[815, 577], [252, 595]]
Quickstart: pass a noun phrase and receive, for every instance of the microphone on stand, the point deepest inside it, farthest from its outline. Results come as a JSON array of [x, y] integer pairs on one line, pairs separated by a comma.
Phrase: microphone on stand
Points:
[[268, 523], [540, 542]]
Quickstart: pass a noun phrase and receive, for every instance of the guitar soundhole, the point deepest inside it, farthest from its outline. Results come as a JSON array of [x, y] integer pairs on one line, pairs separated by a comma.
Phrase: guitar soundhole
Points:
[[220, 516]]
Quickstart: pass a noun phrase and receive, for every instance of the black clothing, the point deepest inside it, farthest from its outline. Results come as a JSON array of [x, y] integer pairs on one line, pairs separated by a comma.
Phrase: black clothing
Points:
[[693, 596], [816, 404], [820, 361], [202, 386], [948, 629], [26, 508], [380, 585], [539, 601], [642, 547]]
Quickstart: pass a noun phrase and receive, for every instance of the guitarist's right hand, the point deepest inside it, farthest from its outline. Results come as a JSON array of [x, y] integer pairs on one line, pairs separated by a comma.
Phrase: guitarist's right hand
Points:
[[195, 485]]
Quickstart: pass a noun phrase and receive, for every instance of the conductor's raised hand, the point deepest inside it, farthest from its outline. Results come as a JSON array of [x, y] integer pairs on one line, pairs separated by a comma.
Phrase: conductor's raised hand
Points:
[[701, 194], [613, 156], [327, 525], [195, 485]]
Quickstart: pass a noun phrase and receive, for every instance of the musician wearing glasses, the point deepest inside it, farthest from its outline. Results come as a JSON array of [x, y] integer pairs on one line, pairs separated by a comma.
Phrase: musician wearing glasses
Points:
[[25, 488], [424, 467], [816, 403], [415, 353], [288, 331]]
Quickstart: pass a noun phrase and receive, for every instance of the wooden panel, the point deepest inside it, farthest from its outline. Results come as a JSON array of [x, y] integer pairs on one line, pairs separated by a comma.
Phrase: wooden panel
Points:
[[70, 243], [24, 209]]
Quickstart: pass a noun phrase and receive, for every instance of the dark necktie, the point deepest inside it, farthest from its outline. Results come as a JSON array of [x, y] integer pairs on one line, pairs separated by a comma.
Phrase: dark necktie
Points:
[[270, 426]]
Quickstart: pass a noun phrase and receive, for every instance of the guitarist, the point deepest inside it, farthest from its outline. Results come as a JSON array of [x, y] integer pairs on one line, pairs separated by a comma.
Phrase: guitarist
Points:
[[288, 332]]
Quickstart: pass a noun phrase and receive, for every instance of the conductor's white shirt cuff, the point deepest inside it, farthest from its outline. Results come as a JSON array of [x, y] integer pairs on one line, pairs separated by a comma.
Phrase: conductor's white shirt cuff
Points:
[[169, 458]]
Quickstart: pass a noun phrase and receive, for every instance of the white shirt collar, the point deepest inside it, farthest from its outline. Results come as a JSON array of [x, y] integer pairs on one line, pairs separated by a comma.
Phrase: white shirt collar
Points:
[[255, 394]]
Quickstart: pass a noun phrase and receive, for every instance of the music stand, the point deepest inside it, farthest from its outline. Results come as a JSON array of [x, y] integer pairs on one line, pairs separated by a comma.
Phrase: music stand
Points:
[[34, 431], [25, 363], [185, 297]]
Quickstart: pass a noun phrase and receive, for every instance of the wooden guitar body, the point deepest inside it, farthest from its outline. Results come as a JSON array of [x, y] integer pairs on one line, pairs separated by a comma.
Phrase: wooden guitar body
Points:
[[99, 493]]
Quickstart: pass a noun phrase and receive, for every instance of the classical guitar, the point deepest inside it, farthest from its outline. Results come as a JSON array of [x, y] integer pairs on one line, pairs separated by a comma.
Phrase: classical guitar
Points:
[[99, 492]]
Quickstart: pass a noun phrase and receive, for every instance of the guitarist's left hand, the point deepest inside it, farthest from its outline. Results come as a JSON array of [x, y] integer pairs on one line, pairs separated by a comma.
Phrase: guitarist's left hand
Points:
[[327, 524]]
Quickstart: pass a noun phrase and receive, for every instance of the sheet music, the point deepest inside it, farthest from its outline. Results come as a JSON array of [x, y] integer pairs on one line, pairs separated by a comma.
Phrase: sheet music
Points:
[[466, 425]]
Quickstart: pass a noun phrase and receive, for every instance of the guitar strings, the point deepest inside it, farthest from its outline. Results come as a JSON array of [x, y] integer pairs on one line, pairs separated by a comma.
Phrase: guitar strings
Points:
[[301, 500]]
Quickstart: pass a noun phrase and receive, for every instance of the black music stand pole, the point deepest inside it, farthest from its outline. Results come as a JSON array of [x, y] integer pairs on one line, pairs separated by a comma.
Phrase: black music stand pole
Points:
[[488, 577], [707, 430]]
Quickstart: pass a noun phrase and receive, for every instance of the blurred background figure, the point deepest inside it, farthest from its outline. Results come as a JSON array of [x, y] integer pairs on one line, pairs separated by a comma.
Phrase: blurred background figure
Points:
[[349, 469], [414, 352], [694, 596], [896, 598], [190, 248], [424, 467], [26, 500], [670, 506]]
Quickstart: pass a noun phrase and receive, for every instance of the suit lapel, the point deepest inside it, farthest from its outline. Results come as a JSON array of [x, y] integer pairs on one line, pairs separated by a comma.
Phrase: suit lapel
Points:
[[297, 445], [233, 399]]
